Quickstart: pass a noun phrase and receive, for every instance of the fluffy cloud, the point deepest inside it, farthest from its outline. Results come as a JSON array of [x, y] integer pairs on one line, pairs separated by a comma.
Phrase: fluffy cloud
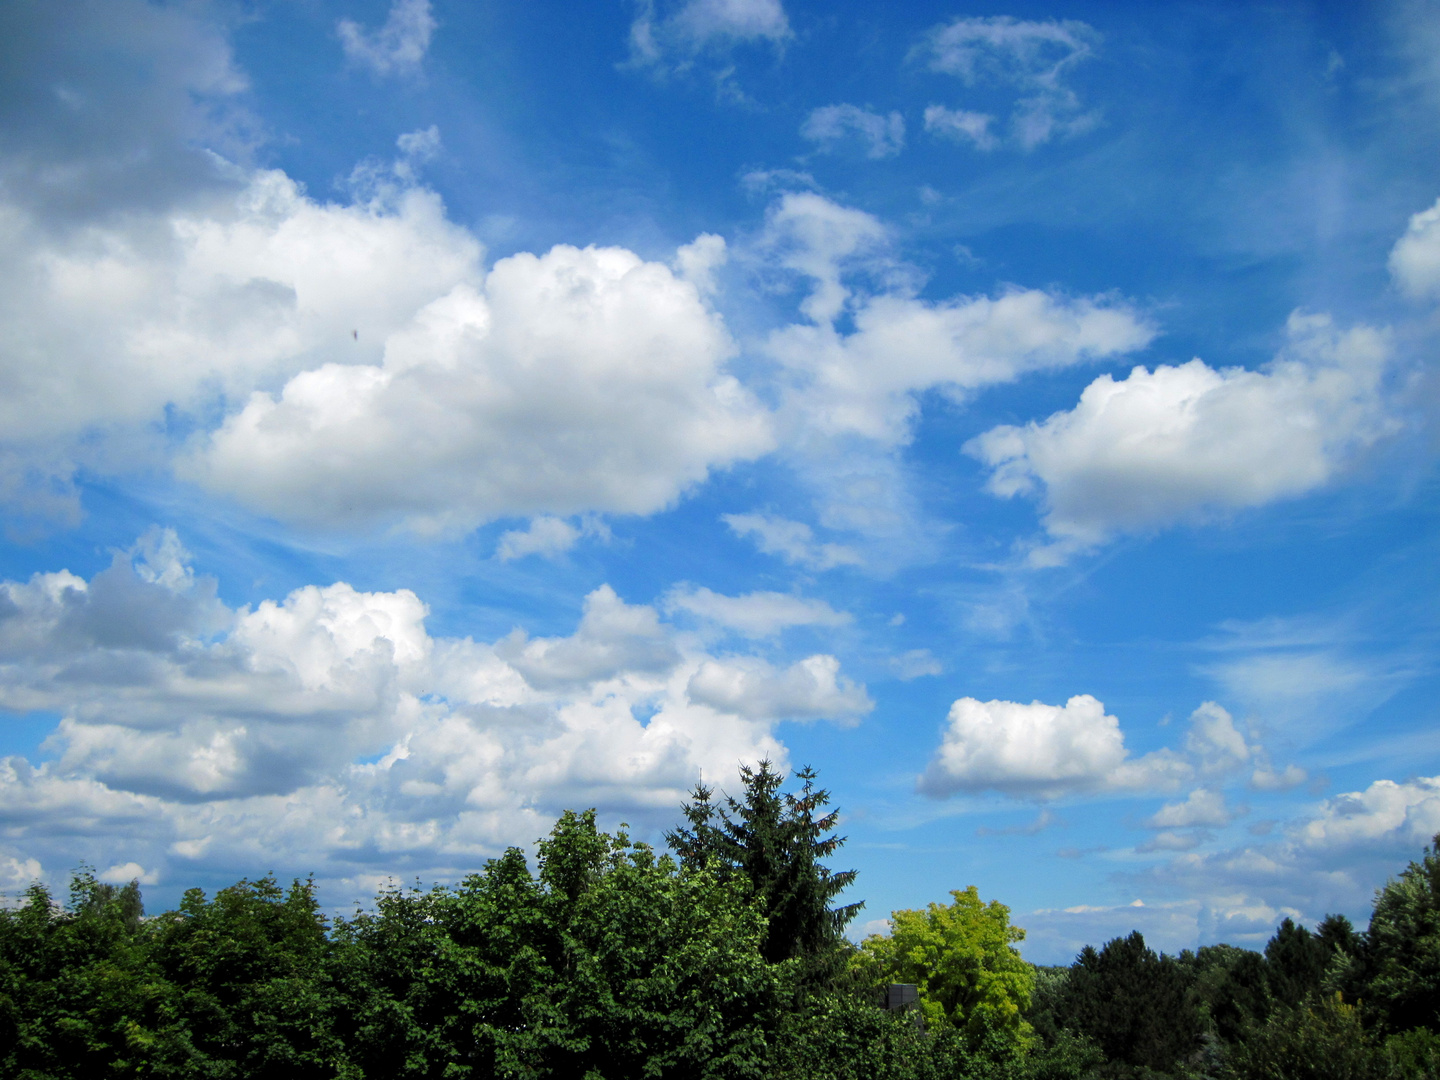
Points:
[[864, 382], [883, 136], [330, 730], [756, 614], [399, 46], [1386, 812], [1181, 442], [1415, 259], [1042, 751], [87, 139], [547, 537], [1202, 807], [113, 323], [1331, 858], [680, 32], [1214, 740], [811, 689], [793, 541], [414, 384], [577, 380], [1033, 57]]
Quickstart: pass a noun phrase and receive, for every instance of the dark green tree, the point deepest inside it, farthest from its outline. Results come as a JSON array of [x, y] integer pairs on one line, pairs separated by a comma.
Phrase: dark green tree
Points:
[[774, 841], [1295, 963], [79, 994], [1321, 1040], [251, 971], [1133, 1003]]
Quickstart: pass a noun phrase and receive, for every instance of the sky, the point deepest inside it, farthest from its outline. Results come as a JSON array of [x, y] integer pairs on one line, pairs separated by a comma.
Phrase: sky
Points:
[[420, 418]]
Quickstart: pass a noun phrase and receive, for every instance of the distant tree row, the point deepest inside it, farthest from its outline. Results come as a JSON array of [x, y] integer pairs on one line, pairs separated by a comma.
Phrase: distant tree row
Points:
[[727, 960]]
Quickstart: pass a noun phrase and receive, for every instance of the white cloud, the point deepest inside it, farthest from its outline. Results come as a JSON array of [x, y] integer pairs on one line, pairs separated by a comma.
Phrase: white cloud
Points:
[[829, 125], [816, 237], [756, 614], [1415, 259], [810, 689], [915, 664], [793, 541], [547, 537], [680, 32], [961, 126], [1056, 935], [413, 385], [580, 380], [399, 46], [1033, 57], [1203, 806], [1182, 442], [124, 873], [175, 309], [1331, 858], [330, 730], [1266, 778], [1386, 813], [864, 382], [1214, 739], [1042, 751]]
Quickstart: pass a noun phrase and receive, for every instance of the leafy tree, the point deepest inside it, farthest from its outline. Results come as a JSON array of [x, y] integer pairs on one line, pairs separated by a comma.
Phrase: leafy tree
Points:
[[774, 841], [251, 970], [1323, 1040], [79, 996], [1400, 962], [610, 962], [962, 957]]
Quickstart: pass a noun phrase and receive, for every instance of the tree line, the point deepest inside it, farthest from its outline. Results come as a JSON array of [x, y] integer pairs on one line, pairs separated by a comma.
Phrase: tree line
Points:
[[724, 957]]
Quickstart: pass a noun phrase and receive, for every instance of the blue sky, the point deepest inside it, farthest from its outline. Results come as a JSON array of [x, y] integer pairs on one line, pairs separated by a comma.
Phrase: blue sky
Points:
[[421, 418]]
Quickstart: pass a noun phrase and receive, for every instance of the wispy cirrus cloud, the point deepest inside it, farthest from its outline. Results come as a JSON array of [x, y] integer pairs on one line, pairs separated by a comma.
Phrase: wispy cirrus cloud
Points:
[[1034, 58], [396, 48], [830, 125]]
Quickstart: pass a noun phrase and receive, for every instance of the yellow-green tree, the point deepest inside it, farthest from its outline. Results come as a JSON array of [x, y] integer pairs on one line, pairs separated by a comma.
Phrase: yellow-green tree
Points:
[[962, 957]]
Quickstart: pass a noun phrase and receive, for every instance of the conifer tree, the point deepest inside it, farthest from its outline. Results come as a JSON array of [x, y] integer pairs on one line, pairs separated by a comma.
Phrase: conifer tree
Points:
[[775, 840]]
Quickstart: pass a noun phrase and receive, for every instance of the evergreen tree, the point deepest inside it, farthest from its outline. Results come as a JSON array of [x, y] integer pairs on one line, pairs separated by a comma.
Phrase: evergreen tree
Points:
[[774, 840], [1295, 962], [1133, 1003]]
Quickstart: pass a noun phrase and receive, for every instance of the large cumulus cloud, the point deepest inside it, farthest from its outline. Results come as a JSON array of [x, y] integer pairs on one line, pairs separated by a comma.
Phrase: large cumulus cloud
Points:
[[1180, 443], [329, 729]]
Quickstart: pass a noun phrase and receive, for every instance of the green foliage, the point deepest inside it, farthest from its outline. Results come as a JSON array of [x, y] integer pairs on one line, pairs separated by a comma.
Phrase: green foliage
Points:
[[774, 841], [1295, 962], [1414, 1054], [1400, 983], [845, 1037], [962, 957], [1324, 1040], [79, 994], [611, 963], [1135, 1005]]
